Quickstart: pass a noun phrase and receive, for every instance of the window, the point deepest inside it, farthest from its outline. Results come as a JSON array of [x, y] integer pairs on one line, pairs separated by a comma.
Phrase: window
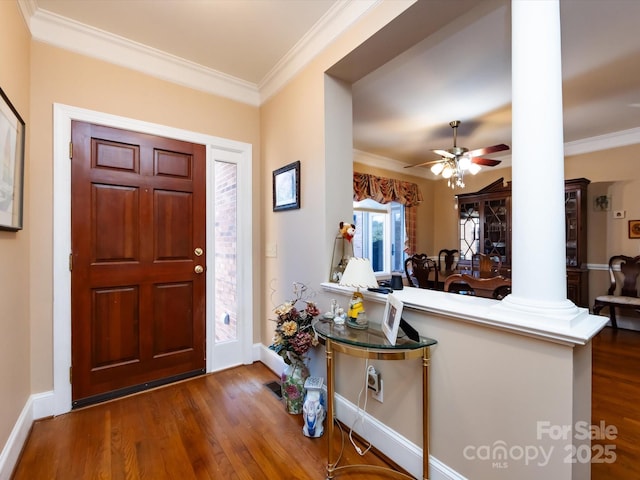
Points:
[[380, 235]]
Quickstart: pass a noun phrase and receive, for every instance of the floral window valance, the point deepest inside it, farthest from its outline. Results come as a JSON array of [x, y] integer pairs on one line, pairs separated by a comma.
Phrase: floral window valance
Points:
[[385, 190]]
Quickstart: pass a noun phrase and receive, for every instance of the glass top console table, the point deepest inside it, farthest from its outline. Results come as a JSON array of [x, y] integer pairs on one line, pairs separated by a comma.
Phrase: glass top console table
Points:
[[371, 343]]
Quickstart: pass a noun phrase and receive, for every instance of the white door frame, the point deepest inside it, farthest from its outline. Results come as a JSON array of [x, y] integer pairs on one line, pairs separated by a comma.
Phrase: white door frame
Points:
[[241, 152]]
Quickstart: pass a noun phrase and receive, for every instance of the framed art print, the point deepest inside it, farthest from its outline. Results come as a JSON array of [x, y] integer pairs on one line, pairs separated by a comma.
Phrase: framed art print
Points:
[[11, 165], [391, 318], [634, 228], [286, 187]]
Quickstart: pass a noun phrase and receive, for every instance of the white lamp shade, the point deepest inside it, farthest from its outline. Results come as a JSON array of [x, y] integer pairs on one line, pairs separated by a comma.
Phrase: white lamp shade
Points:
[[447, 172], [474, 168], [436, 168], [464, 163], [359, 274]]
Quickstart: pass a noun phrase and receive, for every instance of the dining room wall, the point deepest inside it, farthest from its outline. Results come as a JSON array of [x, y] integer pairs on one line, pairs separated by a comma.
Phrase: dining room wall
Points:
[[427, 225], [614, 173]]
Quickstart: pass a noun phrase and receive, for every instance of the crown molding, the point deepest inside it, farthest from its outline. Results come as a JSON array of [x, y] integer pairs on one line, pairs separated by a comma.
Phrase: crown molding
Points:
[[92, 42], [334, 22], [67, 34], [603, 142], [386, 163]]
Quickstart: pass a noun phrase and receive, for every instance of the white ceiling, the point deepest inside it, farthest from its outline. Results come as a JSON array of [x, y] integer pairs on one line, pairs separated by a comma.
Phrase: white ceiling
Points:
[[242, 38], [457, 69], [463, 72]]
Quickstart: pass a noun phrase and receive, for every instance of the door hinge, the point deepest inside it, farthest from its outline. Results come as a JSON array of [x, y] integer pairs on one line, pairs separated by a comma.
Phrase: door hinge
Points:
[[70, 150], [71, 375], [71, 262]]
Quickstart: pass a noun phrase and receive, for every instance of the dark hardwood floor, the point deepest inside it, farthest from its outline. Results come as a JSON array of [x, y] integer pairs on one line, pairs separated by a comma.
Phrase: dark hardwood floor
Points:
[[226, 425], [616, 402], [229, 425]]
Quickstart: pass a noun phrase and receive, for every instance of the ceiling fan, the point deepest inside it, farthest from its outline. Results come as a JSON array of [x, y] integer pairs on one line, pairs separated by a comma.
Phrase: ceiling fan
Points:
[[456, 160]]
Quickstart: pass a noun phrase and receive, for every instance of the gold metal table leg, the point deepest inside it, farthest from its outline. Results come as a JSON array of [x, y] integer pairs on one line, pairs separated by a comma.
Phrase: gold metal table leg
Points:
[[426, 357], [330, 414]]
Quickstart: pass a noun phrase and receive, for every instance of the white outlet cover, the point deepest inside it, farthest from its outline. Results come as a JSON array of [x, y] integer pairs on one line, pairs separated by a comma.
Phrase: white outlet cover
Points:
[[618, 214]]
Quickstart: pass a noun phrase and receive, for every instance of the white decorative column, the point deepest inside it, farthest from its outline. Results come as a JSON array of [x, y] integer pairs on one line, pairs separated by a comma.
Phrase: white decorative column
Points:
[[538, 230]]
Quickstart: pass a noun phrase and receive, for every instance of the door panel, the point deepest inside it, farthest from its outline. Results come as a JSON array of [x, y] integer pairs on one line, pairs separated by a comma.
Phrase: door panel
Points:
[[138, 305]]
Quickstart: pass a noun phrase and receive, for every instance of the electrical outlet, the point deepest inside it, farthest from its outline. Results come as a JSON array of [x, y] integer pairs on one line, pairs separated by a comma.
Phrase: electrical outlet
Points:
[[619, 214], [374, 383], [373, 379], [378, 395]]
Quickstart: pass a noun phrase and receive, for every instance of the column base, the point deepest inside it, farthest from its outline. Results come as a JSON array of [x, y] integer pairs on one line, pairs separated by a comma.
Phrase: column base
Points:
[[564, 311]]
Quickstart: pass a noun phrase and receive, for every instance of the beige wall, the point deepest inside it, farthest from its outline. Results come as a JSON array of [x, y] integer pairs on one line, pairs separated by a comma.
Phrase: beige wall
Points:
[[60, 76], [15, 348], [301, 122]]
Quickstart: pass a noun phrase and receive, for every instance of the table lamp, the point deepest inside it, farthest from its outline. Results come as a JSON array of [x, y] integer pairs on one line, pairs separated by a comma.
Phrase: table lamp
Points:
[[358, 274]]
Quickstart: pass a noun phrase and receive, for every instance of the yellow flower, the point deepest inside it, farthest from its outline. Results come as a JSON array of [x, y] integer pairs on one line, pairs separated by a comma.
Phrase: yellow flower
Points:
[[289, 328], [283, 309]]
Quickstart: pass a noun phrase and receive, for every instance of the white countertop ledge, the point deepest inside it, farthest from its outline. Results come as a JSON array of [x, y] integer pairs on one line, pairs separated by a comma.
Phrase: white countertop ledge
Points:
[[559, 323]]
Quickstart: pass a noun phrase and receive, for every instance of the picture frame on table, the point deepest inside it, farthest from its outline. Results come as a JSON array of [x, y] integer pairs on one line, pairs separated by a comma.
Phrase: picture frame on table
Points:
[[286, 187], [634, 228], [12, 130], [392, 317]]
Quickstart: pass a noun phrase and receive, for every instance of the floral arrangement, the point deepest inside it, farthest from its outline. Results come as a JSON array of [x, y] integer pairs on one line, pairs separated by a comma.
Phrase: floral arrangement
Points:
[[294, 335]]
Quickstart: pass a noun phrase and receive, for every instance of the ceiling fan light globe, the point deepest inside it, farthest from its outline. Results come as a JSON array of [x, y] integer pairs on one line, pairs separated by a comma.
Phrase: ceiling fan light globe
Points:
[[447, 172], [474, 168], [436, 168], [464, 163]]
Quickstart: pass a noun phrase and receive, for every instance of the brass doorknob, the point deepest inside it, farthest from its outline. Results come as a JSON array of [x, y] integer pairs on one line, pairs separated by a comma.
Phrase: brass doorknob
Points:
[[199, 269]]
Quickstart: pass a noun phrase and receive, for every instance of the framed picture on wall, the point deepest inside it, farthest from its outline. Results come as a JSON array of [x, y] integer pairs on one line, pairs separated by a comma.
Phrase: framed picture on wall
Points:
[[286, 187], [634, 228], [11, 165]]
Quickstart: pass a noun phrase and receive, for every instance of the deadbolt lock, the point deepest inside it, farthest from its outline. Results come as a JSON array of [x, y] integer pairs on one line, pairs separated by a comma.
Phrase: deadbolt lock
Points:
[[198, 251]]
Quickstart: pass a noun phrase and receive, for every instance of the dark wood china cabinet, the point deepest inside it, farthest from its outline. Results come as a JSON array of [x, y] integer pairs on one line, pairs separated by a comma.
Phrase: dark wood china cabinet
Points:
[[575, 210], [485, 227], [485, 223]]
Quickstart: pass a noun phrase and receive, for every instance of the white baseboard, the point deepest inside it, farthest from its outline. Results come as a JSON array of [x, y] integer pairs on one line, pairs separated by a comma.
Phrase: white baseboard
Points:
[[405, 453], [271, 359], [390, 443], [18, 436]]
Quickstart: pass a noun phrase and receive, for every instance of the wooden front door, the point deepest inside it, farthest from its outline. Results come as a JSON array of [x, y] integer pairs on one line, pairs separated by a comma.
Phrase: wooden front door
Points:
[[138, 259]]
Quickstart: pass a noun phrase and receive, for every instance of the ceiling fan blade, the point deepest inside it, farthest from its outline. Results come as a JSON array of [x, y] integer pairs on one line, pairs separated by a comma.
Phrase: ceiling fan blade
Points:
[[444, 153], [487, 162], [423, 164], [488, 150]]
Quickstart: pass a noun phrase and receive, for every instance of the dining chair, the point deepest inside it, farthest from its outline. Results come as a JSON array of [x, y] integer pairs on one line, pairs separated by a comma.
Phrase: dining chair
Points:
[[449, 259], [418, 269], [484, 265], [623, 288]]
